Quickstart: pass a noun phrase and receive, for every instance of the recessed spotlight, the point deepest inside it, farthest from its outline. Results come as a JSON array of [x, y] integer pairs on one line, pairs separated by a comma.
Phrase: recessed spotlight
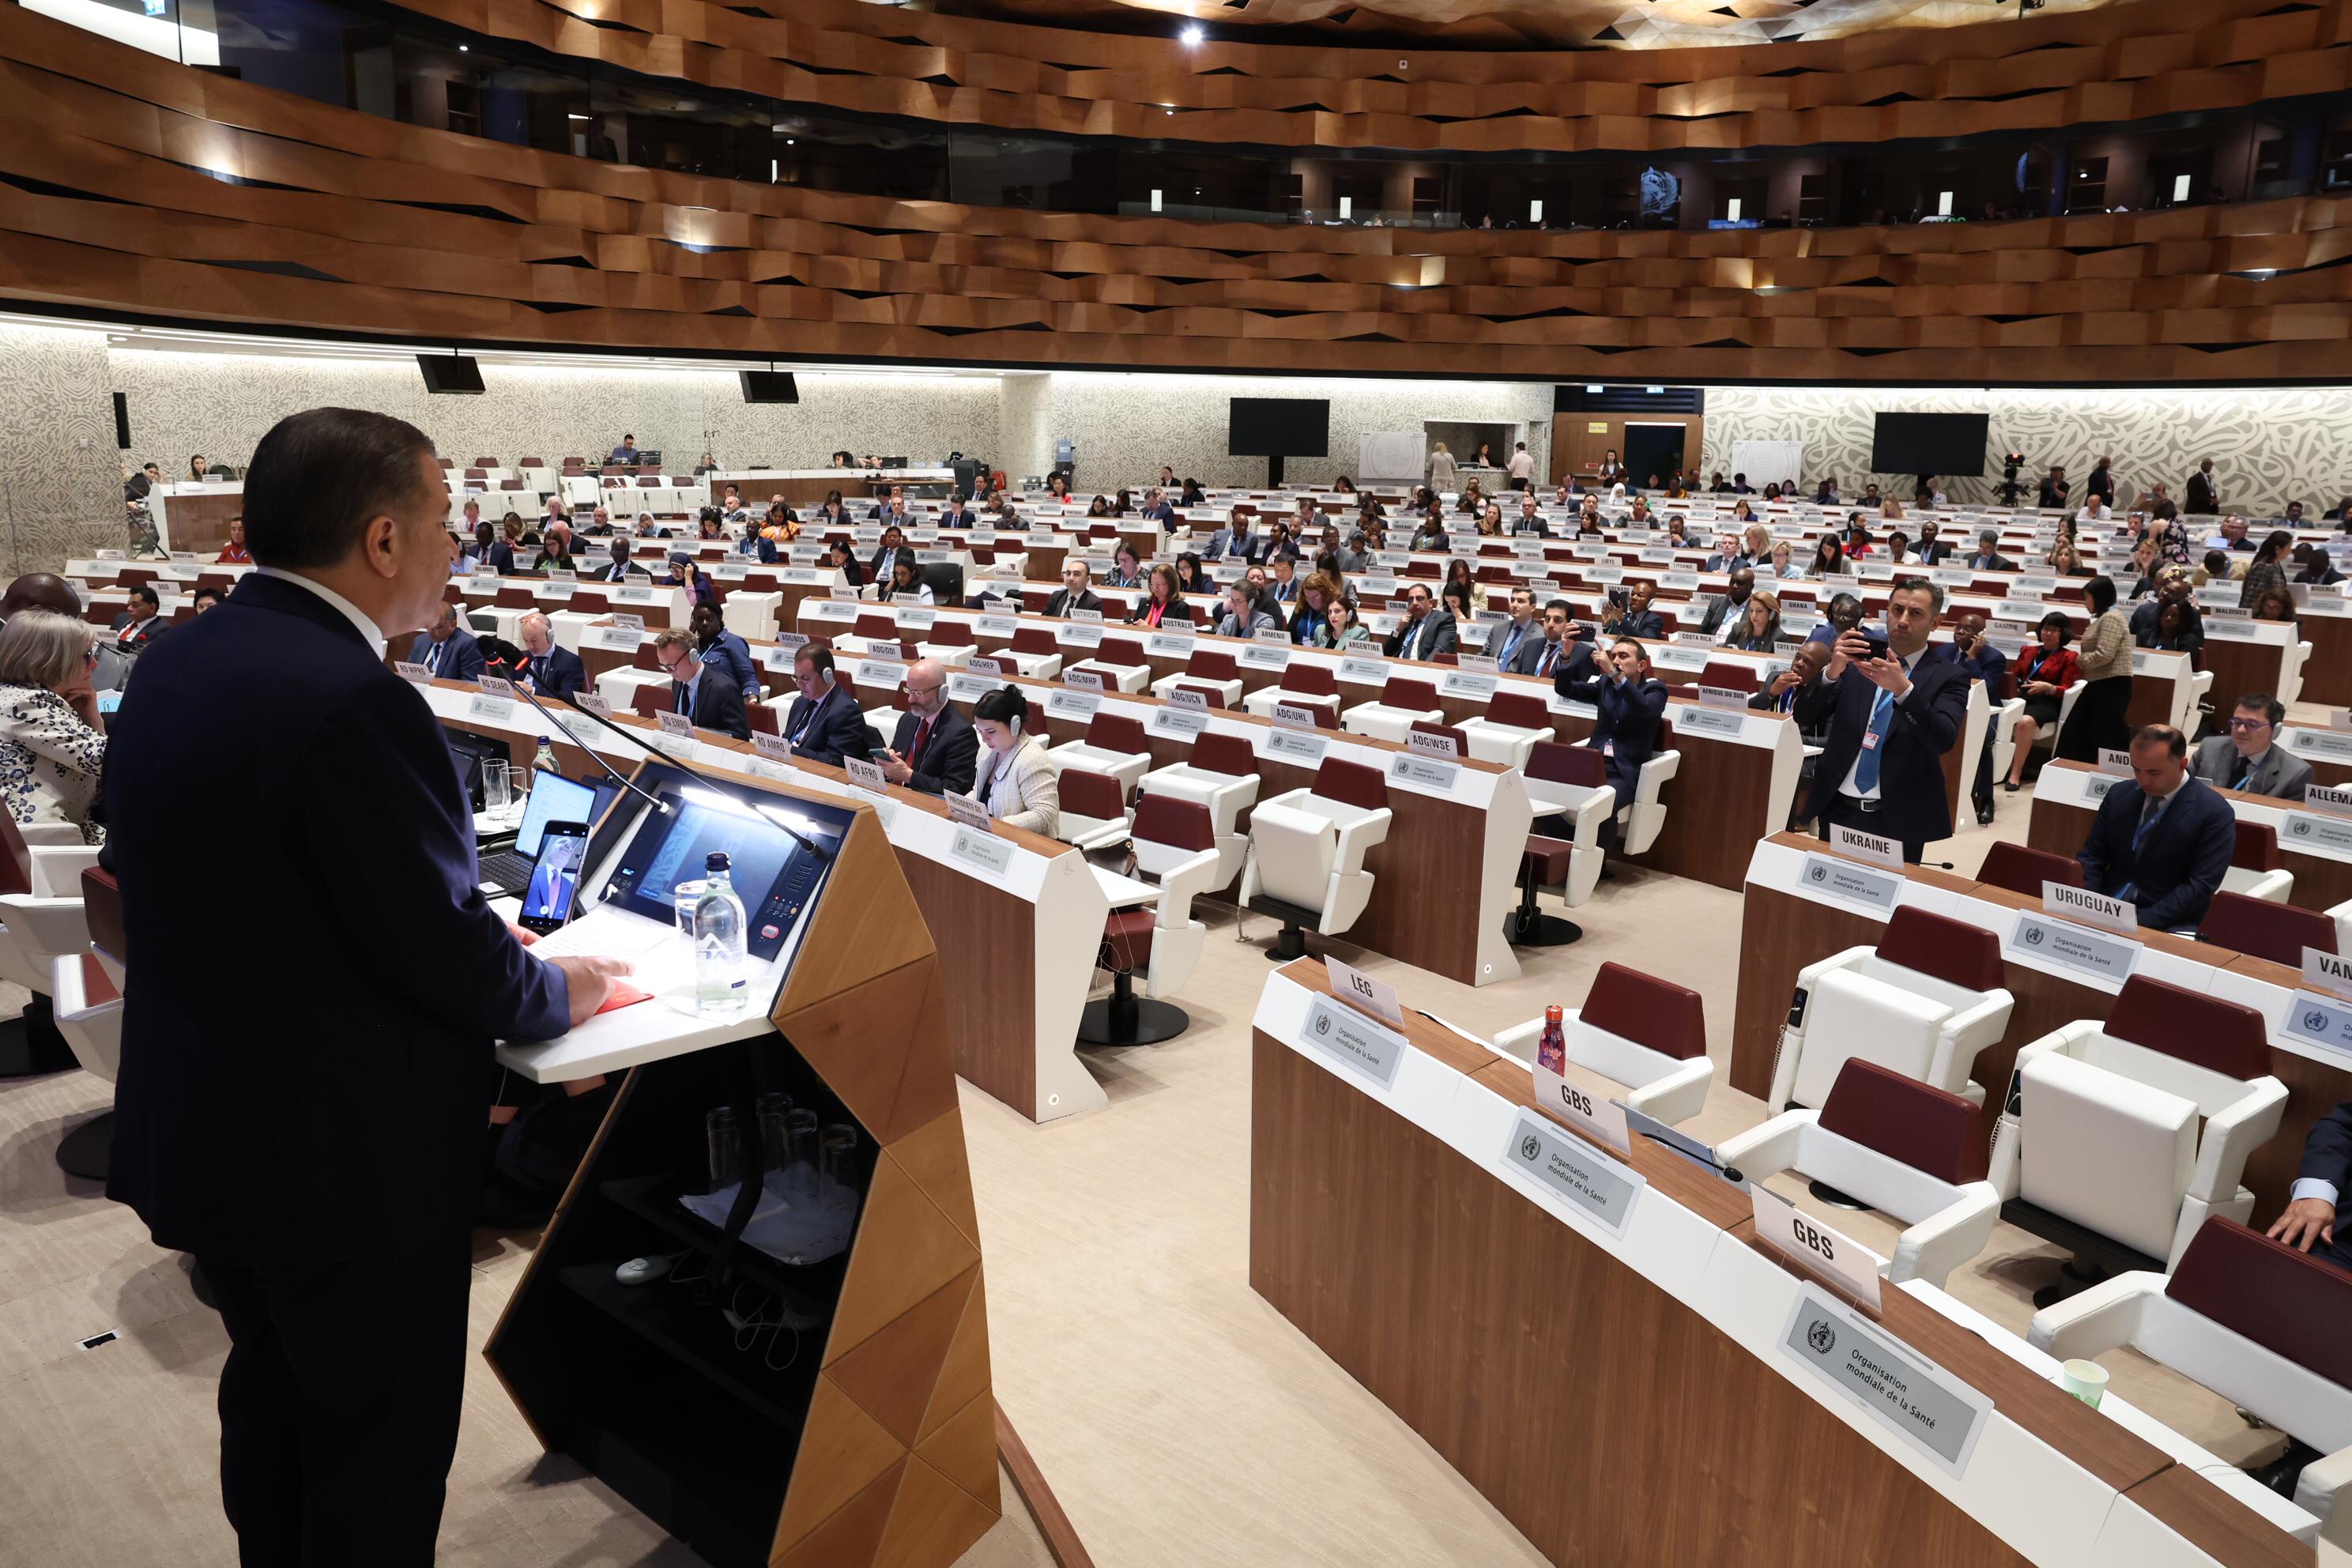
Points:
[[465, 49], [1193, 35]]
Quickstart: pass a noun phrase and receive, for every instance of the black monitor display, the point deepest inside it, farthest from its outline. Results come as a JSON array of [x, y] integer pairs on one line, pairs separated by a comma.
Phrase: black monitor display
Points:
[[1279, 427], [1952, 445]]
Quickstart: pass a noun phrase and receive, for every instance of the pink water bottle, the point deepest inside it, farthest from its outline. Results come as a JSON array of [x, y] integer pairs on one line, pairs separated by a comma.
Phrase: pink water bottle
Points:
[[1551, 1052]]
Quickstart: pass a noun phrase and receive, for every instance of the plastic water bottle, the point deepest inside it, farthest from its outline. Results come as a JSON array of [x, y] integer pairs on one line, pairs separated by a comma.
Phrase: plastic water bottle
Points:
[[721, 984], [545, 761]]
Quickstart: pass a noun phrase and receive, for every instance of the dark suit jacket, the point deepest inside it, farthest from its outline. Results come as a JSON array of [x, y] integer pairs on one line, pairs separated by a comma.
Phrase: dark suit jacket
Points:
[[461, 660], [951, 755], [1178, 611], [1649, 625], [136, 637], [1435, 633], [1934, 552], [2178, 867], [2328, 1150], [333, 1105], [620, 571], [1574, 659], [1990, 667], [1629, 715], [2201, 494], [1925, 724], [1061, 604], [566, 676], [501, 559], [717, 702], [834, 729], [1998, 563]]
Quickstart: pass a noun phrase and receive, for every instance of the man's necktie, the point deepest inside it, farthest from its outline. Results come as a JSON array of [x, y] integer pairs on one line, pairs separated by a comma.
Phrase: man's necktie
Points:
[[432, 656], [2155, 810], [2245, 771], [539, 670], [922, 733], [1550, 652], [685, 701], [1882, 716]]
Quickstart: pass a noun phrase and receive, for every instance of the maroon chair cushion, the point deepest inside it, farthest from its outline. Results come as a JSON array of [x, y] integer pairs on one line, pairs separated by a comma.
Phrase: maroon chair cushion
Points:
[[1033, 639], [1121, 651], [1220, 753], [643, 659], [1649, 1011], [515, 599], [2023, 870], [101, 903], [1548, 859], [1558, 763], [1178, 823], [1116, 732], [1905, 1119], [1310, 680], [2228, 1037], [2257, 847], [1733, 676], [762, 718], [1091, 793], [1519, 709], [947, 633], [1403, 691], [1952, 951], [875, 628], [587, 604], [649, 702], [2276, 932], [2287, 1301], [1351, 784], [1210, 664], [1127, 935]]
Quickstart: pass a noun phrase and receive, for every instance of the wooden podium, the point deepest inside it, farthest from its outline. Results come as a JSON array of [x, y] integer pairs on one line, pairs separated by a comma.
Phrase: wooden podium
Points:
[[869, 1436]]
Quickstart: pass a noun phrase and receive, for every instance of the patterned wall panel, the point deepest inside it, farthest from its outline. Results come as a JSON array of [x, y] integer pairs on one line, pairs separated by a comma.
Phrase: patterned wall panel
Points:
[[62, 493], [2269, 445], [221, 404]]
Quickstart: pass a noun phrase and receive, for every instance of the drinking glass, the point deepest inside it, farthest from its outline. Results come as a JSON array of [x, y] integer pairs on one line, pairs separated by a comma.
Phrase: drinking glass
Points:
[[840, 1162], [773, 1109], [496, 795], [683, 897], [726, 1146]]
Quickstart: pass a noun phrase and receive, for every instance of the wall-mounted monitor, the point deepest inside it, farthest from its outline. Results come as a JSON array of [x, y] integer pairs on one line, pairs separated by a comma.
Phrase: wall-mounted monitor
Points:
[[1279, 427], [1952, 445]]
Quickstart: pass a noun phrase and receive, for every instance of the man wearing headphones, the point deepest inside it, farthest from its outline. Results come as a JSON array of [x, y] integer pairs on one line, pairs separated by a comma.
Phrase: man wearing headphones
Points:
[[823, 723]]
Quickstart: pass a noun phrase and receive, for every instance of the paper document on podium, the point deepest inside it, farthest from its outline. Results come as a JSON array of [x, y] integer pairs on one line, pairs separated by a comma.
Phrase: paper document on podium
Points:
[[608, 932]]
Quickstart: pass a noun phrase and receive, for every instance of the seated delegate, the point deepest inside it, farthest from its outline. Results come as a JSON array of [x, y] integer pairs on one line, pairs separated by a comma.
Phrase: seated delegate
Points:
[[2249, 759], [1013, 780], [2162, 839], [704, 693], [51, 751], [935, 749]]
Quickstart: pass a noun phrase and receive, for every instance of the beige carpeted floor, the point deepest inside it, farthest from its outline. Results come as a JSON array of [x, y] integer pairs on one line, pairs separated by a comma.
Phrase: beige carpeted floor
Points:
[[1180, 1418]]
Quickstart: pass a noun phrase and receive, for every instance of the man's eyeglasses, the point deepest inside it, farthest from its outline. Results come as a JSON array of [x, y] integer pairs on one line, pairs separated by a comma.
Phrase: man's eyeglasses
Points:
[[2237, 722]]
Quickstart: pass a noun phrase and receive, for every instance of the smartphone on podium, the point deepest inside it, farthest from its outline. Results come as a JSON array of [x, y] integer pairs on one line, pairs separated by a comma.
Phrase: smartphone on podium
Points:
[[554, 885]]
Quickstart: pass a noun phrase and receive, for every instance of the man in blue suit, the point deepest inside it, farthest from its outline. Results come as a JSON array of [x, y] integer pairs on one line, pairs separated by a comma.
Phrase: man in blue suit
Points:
[[823, 723], [553, 669], [1630, 704], [1890, 716], [1987, 665], [2162, 840], [314, 1135], [448, 651]]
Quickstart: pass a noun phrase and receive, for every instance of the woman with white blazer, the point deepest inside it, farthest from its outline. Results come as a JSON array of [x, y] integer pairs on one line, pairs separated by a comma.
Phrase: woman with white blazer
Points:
[[1015, 781]]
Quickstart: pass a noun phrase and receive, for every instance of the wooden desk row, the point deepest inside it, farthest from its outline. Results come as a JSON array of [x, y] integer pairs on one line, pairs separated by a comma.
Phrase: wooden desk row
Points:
[[1786, 925], [1624, 1393]]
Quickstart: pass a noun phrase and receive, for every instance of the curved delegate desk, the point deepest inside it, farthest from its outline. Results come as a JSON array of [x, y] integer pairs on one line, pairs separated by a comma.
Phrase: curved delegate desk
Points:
[[1630, 1384]]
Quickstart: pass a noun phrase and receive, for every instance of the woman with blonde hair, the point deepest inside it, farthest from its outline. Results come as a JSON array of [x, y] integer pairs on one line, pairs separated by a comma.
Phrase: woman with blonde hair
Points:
[[1441, 470], [51, 751]]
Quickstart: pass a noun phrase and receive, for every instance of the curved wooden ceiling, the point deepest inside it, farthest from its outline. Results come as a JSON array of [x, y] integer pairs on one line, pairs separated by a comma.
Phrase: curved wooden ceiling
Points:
[[350, 223], [2122, 63], [1524, 23]]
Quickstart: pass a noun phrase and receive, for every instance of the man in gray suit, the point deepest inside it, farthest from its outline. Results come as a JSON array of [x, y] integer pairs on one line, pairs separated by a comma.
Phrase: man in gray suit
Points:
[[2249, 759], [1425, 632]]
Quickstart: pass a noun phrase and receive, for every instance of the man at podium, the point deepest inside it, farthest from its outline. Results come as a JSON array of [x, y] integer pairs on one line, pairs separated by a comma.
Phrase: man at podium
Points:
[[306, 1041]]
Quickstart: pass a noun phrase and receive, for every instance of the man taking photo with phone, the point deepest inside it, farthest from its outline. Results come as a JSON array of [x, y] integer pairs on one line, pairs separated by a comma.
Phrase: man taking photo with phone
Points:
[[1892, 713]]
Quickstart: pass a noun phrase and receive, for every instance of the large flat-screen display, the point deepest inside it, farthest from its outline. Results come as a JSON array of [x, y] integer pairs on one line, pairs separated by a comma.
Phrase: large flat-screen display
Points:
[[1944, 444], [1279, 427]]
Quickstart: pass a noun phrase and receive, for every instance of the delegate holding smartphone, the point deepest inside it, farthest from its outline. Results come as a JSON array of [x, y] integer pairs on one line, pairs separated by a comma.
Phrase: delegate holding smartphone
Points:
[[555, 880]]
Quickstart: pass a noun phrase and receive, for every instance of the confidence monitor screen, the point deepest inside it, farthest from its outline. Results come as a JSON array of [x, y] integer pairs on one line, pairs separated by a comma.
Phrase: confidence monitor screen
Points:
[[1943, 444], [1279, 427], [776, 876]]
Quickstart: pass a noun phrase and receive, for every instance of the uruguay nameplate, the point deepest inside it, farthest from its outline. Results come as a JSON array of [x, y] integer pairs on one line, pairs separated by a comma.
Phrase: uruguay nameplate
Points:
[[1919, 1400], [2117, 915], [1368, 1049], [1833, 878], [1604, 1189]]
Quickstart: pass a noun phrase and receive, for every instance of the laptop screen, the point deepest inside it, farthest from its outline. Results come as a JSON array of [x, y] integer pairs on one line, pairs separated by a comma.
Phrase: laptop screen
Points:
[[554, 798]]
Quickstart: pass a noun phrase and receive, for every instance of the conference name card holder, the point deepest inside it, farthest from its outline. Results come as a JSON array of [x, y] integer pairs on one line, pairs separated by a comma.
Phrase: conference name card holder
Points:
[[2090, 933], [867, 782], [2327, 832], [1866, 872], [1730, 697], [495, 702], [2328, 800], [1295, 737], [1817, 1249], [1924, 1406], [1681, 655], [994, 627], [1079, 634], [415, 672], [1083, 679], [676, 726], [2320, 1012], [1168, 645]]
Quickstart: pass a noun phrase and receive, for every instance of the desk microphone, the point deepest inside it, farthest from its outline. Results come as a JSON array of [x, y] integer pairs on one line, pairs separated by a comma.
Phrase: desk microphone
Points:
[[661, 806]]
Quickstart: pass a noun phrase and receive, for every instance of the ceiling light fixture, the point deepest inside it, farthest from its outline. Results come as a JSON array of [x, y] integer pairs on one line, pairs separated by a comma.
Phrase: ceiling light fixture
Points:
[[1193, 34]]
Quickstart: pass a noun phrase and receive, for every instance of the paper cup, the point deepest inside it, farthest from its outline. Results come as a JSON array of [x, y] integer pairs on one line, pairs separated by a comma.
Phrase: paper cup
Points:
[[2085, 1380]]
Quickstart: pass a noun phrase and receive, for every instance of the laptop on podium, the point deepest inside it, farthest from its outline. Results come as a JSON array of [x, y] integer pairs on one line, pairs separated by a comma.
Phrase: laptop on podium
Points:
[[554, 798]]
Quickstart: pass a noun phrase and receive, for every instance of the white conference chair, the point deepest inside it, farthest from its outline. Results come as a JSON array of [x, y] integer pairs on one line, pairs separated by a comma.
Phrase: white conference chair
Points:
[[1033, 653], [1572, 782], [1093, 811], [2252, 1319], [1895, 1145], [2100, 1148], [1639, 824], [1306, 861], [1221, 774], [1509, 728], [1174, 844], [1303, 685], [1635, 1029], [2004, 737], [1922, 1002], [1115, 744], [1121, 662], [1404, 702], [88, 1013], [1205, 667]]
